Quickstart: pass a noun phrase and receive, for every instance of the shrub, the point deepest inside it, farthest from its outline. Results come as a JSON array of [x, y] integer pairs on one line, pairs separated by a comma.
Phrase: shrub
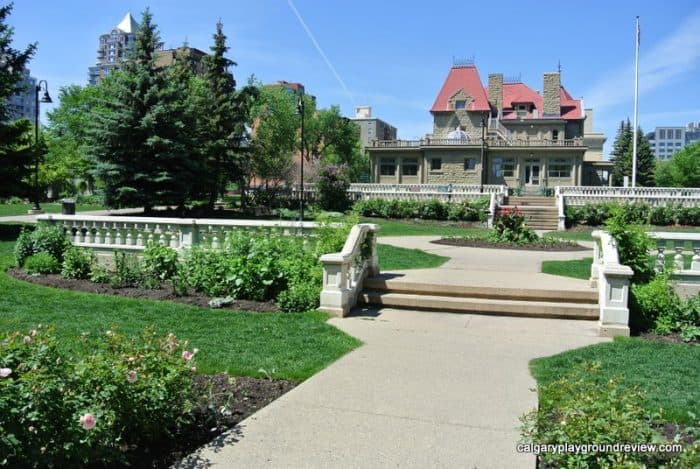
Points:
[[509, 227], [159, 261], [300, 297], [77, 263], [332, 188], [576, 409], [51, 239], [663, 215], [637, 213], [119, 398], [128, 270], [633, 244], [24, 247], [99, 274], [473, 210], [42, 263], [652, 301]]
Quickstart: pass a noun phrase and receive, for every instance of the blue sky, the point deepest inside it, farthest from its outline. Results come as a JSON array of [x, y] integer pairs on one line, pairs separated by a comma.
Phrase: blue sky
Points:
[[394, 55]]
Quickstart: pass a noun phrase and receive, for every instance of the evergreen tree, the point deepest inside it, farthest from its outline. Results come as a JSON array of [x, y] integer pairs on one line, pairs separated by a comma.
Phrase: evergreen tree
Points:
[[138, 138], [225, 115], [16, 151], [622, 157]]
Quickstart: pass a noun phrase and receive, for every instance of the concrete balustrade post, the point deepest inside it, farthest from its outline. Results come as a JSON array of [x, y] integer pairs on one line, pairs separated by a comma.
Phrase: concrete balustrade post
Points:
[[335, 297], [613, 295]]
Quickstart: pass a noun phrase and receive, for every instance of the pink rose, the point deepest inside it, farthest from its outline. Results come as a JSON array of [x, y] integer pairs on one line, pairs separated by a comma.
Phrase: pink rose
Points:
[[5, 372], [187, 355], [88, 421], [131, 376]]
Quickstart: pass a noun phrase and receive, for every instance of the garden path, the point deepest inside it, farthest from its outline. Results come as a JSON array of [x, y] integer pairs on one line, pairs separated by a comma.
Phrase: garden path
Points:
[[425, 390], [505, 268]]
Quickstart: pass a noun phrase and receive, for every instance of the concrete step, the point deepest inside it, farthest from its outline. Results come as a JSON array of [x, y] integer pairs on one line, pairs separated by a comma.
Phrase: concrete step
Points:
[[422, 288], [531, 200], [481, 305]]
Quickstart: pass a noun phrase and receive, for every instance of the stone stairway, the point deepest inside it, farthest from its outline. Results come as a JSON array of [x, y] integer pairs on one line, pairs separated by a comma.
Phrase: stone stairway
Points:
[[549, 303], [540, 212]]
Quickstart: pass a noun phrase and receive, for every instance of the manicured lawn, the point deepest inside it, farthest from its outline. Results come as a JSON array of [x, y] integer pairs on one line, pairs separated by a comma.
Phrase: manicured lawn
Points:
[[668, 373], [292, 346], [395, 258], [7, 210], [577, 268], [421, 228], [571, 235], [581, 268]]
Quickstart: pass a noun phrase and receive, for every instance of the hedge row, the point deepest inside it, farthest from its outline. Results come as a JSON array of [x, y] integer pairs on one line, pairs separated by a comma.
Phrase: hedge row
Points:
[[596, 214], [424, 209]]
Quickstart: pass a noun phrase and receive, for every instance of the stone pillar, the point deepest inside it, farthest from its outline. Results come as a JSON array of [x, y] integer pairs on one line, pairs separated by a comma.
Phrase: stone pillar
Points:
[[335, 297], [551, 95], [613, 294], [189, 235]]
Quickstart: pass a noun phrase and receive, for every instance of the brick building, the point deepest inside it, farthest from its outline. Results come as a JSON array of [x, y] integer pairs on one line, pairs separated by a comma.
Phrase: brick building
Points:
[[504, 133]]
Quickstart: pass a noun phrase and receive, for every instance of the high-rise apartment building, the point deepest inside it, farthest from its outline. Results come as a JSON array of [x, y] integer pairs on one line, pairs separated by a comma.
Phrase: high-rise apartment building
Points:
[[372, 128], [23, 104], [113, 48]]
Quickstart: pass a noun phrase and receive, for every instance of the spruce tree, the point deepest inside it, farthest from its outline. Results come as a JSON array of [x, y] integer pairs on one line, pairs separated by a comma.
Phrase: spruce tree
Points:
[[622, 157], [17, 153], [138, 142], [223, 124]]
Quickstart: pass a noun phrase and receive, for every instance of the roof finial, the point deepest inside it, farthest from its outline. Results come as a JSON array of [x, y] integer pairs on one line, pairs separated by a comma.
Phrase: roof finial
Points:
[[559, 66]]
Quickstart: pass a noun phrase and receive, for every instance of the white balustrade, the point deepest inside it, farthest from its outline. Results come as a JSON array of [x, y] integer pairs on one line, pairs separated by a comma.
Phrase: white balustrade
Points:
[[685, 248], [129, 233], [612, 280], [654, 196], [345, 271]]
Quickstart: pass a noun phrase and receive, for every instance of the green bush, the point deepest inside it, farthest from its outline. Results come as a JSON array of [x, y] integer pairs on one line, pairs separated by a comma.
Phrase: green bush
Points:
[[160, 262], [509, 227], [653, 301], [42, 263], [636, 213], [664, 215], [51, 239], [77, 263], [121, 396], [424, 209], [633, 244], [579, 408], [300, 297], [24, 247], [128, 270]]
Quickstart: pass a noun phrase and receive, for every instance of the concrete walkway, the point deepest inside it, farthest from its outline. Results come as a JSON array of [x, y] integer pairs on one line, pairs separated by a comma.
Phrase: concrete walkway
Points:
[[32, 218], [507, 268], [425, 390]]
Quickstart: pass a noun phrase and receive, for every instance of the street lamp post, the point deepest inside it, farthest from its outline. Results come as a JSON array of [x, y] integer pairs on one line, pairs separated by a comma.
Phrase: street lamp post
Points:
[[44, 99], [300, 111]]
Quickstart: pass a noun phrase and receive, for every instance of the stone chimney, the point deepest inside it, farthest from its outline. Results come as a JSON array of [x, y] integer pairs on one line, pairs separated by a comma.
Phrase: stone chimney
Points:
[[496, 91], [551, 95]]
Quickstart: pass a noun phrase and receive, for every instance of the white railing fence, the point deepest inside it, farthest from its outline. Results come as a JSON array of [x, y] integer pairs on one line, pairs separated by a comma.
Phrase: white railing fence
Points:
[[684, 247], [345, 271], [108, 233]]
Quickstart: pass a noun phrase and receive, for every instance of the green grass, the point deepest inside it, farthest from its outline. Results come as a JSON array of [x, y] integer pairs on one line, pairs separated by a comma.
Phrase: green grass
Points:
[[395, 258], [421, 228], [581, 268], [571, 235], [292, 346], [577, 268], [7, 210], [668, 373]]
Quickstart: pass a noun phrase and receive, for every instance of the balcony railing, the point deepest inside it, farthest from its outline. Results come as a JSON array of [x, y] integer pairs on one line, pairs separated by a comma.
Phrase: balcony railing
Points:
[[489, 141]]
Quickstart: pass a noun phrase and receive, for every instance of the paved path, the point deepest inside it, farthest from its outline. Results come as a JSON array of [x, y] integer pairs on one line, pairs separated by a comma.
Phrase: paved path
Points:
[[508, 268], [32, 218], [425, 390]]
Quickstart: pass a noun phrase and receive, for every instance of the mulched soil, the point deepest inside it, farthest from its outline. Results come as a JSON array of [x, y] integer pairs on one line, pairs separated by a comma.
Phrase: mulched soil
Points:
[[165, 293], [225, 401], [483, 243], [672, 338]]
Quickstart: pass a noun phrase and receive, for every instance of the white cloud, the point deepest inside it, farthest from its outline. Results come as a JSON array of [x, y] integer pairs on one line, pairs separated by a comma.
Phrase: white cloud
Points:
[[677, 54]]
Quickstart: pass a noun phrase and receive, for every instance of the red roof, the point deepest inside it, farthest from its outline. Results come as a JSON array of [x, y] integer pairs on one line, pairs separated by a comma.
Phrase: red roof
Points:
[[514, 93], [462, 78], [570, 107]]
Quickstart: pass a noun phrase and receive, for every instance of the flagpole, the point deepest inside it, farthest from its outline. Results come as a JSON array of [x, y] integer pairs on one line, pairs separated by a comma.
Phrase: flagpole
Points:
[[636, 106]]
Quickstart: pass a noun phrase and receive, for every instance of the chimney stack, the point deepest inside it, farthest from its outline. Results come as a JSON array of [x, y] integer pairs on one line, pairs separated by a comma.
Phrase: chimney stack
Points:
[[551, 95], [496, 91]]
